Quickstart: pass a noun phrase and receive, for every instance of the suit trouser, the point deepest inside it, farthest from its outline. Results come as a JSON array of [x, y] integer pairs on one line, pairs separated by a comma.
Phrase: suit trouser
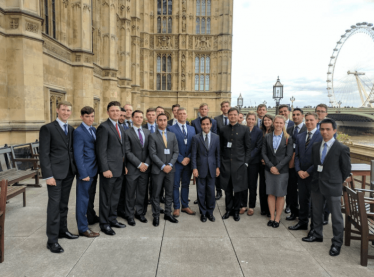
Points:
[[91, 214], [205, 194], [136, 189], [185, 173], [57, 209], [122, 198], [148, 194], [304, 199], [158, 181], [83, 196], [110, 189], [252, 172], [232, 199], [218, 185], [336, 216], [262, 191], [292, 197]]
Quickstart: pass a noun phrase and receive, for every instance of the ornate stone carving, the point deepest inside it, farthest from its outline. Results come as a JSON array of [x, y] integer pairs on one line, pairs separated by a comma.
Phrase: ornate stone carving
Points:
[[14, 22], [183, 82], [184, 24], [31, 27], [183, 63], [76, 5], [77, 58], [151, 15], [216, 43], [164, 42], [190, 42], [202, 43], [65, 3], [57, 50], [151, 44], [86, 7]]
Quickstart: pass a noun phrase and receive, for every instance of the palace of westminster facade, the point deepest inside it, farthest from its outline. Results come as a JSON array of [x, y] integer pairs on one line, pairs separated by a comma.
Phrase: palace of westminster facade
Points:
[[90, 52]]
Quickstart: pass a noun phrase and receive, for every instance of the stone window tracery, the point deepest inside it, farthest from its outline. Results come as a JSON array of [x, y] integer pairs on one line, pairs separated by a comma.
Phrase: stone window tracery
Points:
[[50, 17], [202, 73], [203, 11], [165, 8], [164, 70]]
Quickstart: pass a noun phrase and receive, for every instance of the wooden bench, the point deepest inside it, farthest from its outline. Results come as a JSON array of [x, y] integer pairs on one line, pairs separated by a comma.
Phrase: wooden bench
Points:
[[3, 193]]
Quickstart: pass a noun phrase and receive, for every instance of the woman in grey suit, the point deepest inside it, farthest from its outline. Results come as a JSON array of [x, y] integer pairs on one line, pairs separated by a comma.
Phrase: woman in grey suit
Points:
[[277, 151]]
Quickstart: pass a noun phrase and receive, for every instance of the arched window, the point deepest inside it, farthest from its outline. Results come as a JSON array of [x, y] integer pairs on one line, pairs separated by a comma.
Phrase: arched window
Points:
[[169, 25], [208, 26], [158, 7], [163, 64], [208, 7], [168, 69], [203, 7], [203, 25], [158, 81], [159, 24], [46, 17], [53, 19], [164, 82], [164, 6], [207, 65], [198, 7], [169, 81], [197, 65], [164, 25], [170, 6], [197, 25], [207, 82], [196, 82], [202, 65], [201, 82], [158, 64]]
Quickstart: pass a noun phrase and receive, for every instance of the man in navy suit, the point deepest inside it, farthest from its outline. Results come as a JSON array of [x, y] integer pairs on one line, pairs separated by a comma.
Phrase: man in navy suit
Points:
[[84, 138], [304, 168], [205, 159], [184, 134], [203, 110], [122, 119], [285, 111]]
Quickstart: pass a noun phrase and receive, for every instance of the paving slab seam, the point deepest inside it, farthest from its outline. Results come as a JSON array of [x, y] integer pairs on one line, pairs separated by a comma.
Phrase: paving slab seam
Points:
[[241, 269], [80, 258], [159, 255]]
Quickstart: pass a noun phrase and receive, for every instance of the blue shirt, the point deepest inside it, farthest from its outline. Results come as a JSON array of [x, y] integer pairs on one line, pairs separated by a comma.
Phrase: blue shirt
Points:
[[62, 125], [154, 126], [116, 123], [185, 127], [276, 141], [89, 130], [162, 167]]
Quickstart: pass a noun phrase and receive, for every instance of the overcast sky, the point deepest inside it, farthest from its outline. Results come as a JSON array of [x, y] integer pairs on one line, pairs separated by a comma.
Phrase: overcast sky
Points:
[[293, 39]]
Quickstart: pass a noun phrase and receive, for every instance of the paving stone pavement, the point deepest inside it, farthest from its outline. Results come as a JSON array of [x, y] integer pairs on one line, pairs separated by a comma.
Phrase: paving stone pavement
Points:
[[189, 248]]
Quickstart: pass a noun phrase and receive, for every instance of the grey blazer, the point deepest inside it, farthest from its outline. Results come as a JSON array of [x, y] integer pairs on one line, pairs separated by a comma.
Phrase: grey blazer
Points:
[[281, 158], [157, 154]]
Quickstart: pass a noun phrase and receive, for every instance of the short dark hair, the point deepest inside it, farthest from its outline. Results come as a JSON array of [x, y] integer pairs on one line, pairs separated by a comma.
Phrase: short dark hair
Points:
[[113, 103], [312, 114], [175, 105], [242, 114], [87, 110], [322, 106], [298, 109], [284, 106], [151, 110], [233, 109], [224, 102], [262, 106], [329, 120], [123, 110], [162, 114], [136, 111], [205, 117], [159, 107], [63, 103]]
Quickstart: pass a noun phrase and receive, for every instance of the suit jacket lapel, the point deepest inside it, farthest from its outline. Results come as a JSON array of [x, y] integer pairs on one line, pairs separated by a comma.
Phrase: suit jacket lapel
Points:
[[160, 138], [62, 133], [87, 132], [111, 126], [311, 142], [202, 140], [132, 131], [331, 150]]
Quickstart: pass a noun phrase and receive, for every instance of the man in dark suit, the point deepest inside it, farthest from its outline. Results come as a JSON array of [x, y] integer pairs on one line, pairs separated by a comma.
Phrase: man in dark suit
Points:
[[128, 121], [332, 166], [292, 198], [261, 111], [110, 152], [58, 168], [138, 161], [184, 134], [285, 111], [222, 120], [205, 159], [236, 153], [122, 119], [203, 110], [160, 110], [304, 168], [163, 150], [84, 138], [174, 120]]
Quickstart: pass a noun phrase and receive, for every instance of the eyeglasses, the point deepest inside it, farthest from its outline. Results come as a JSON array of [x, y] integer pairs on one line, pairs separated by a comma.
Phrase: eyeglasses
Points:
[[319, 111]]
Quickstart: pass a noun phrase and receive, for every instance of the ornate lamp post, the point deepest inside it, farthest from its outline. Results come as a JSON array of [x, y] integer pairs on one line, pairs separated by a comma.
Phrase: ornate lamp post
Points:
[[265, 103], [277, 94], [292, 99], [240, 102], [339, 103]]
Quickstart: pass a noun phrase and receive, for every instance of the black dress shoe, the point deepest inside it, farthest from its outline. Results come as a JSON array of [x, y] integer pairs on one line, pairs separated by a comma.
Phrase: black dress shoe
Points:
[[162, 200], [311, 232], [131, 221], [236, 216], [219, 195], [141, 218], [287, 210], [270, 223], [268, 215], [149, 202], [298, 226], [121, 214], [291, 217], [67, 235], [170, 218], [334, 250], [211, 217], [94, 221], [312, 238], [203, 218], [195, 202], [117, 225], [226, 215], [54, 247], [162, 211], [108, 231], [325, 222], [263, 213], [156, 221], [275, 224]]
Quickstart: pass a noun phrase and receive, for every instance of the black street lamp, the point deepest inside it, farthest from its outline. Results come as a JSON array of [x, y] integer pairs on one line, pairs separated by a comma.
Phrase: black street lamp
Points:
[[240, 102], [277, 94]]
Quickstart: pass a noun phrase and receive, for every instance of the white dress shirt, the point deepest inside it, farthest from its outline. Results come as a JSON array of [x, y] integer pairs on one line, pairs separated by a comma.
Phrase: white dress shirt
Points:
[[329, 144]]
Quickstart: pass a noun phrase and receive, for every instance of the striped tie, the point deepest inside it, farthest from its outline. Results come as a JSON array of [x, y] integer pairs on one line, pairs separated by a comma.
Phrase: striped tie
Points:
[[308, 139]]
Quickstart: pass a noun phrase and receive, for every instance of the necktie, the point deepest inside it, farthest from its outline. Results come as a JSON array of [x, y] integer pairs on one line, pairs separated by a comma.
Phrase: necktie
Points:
[[225, 121], [119, 134], [324, 152], [140, 137], [66, 129], [259, 122], [318, 125], [164, 138], [92, 133], [206, 141], [296, 131], [308, 139], [184, 132], [128, 124], [152, 131]]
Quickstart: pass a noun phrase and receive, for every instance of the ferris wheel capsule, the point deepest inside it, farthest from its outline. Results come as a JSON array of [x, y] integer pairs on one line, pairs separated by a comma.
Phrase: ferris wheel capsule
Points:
[[347, 31], [370, 24], [353, 27]]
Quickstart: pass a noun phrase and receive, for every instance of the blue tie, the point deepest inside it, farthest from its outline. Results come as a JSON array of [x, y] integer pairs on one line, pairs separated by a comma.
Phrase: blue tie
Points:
[[324, 152], [92, 133], [184, 132], [296, 131], [66, 129], [152, 131], [225, 121], [318, 125]]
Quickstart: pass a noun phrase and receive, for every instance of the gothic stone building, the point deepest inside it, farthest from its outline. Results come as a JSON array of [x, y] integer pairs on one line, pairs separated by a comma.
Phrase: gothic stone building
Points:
[[90, 52]]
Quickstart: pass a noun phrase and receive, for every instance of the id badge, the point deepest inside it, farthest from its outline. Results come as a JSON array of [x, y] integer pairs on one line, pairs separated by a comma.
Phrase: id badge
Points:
[[185, 141], [229, 144], [320, 168], [166, 151], [294, 145]]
